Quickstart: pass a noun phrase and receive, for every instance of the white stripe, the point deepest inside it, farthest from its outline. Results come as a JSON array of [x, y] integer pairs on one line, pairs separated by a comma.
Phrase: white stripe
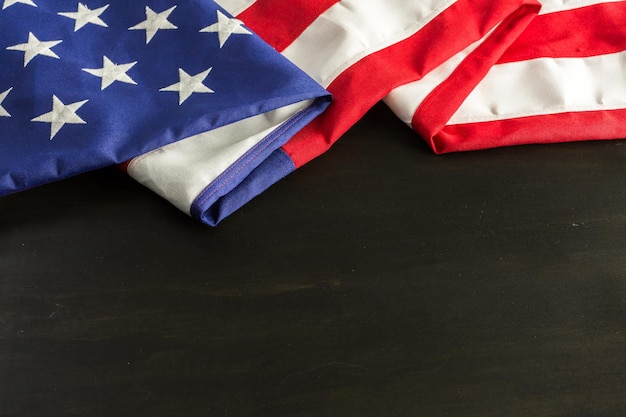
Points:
[[547, 86], [552, 6], [353, 29], [234, 7], [405, 100], [181, 170]]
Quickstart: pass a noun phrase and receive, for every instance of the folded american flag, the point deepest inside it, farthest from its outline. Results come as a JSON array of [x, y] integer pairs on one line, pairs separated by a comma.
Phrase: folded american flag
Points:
[[94, 83], [465, 74]]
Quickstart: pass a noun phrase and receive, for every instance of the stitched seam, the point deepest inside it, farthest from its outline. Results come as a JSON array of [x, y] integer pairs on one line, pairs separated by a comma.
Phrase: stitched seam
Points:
[[136, 160], [544, 112], [272, 137]]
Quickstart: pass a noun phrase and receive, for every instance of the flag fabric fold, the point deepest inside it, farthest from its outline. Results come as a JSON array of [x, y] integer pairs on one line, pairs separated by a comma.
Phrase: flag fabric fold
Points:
[[562, 79], [89, 84], [361, 51], [464, 74]]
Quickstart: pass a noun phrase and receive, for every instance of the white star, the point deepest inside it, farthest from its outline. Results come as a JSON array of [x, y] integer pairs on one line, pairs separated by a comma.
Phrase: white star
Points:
[[3, 112], [189, 84], [111, 72], [35, 47], [155, 22], [60, 115], [8, 3], [84, 15], [225, 26]]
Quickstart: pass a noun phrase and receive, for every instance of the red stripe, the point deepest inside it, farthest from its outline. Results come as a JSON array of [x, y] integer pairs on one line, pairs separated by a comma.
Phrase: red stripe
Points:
[[554, 128], [583, 32], [280, 22], [361, 86]]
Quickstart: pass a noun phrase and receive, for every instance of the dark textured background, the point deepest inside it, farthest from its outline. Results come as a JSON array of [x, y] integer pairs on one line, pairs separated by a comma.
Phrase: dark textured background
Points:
[[378, 280]]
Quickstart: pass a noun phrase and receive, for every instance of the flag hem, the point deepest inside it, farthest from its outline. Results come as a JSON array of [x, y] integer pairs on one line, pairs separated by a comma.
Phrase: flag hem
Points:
[[254, 172]]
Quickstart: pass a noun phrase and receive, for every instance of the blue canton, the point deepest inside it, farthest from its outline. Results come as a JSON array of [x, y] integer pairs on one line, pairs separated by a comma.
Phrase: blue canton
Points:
[[93, 83]]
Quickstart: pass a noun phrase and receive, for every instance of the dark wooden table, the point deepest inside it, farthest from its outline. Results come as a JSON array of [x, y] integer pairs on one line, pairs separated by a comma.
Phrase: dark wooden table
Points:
[[378, 280]]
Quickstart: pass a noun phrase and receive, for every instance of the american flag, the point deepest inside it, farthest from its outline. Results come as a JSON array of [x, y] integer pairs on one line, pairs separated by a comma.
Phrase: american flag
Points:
[[464, 74], [95, 83]]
